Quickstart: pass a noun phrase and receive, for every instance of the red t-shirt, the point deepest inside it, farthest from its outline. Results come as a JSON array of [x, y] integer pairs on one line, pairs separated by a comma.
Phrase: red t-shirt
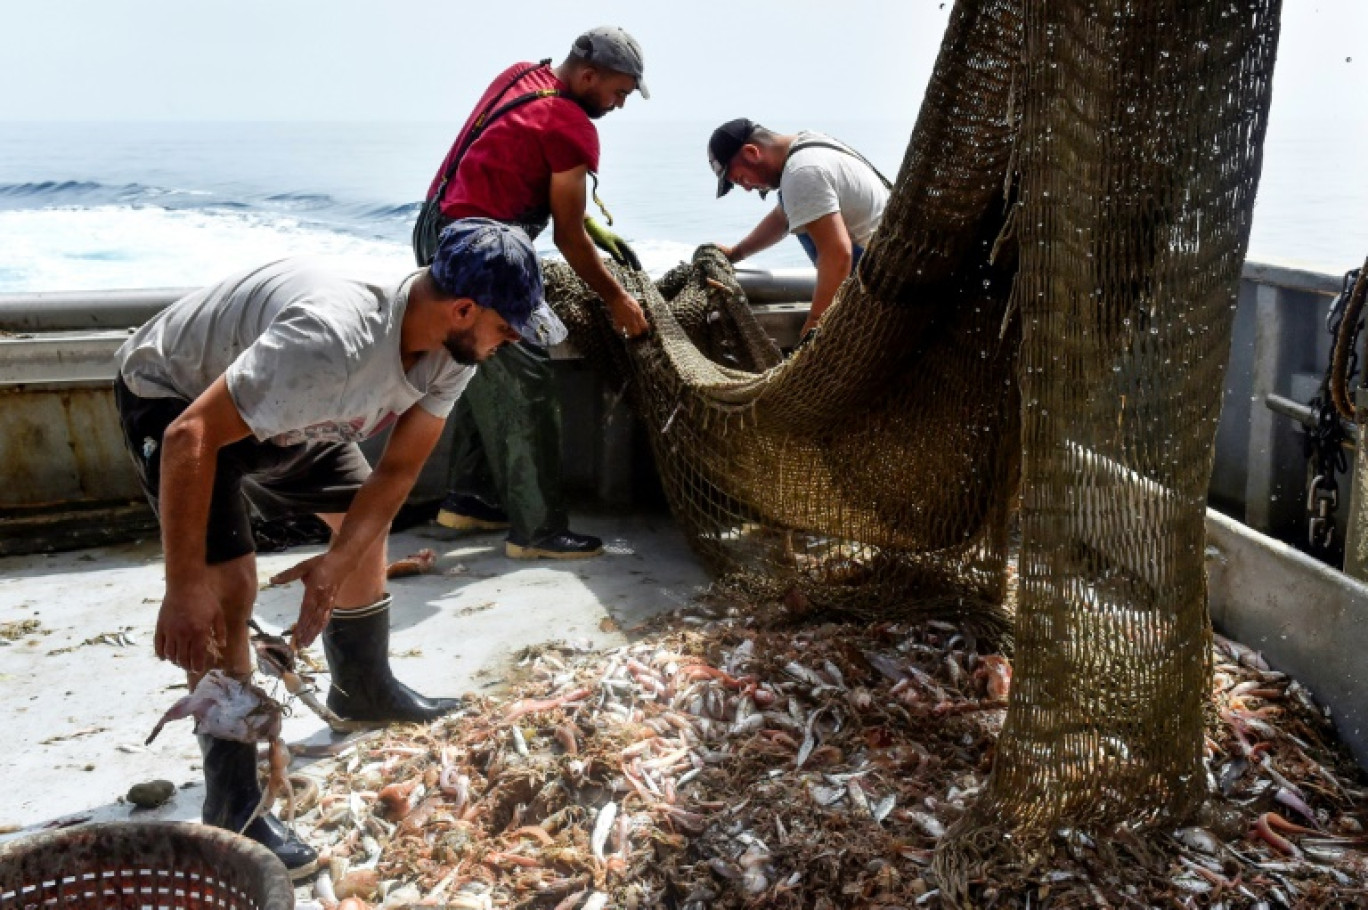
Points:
[[506, 172]]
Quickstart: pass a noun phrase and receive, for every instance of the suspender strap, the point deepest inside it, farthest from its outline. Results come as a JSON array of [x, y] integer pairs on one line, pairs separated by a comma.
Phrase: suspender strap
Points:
[[490, 114], [822, 143]]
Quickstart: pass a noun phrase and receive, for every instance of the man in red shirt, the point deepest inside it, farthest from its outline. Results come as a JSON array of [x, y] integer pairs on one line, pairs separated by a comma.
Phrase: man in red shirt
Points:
[[524, 157]]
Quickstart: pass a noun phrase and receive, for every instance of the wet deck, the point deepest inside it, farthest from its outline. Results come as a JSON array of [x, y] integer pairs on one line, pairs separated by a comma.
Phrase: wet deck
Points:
[[82, 690]]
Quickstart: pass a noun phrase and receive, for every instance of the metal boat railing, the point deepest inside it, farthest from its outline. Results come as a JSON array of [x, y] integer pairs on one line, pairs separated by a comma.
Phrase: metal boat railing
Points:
[[56, 351]]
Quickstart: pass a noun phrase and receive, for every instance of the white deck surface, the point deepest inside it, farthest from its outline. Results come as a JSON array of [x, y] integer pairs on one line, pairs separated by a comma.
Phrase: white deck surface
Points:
[[77, 713]]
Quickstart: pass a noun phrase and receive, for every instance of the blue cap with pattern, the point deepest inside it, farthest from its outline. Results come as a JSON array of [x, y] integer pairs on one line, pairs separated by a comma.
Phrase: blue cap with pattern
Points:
[[495, 265]]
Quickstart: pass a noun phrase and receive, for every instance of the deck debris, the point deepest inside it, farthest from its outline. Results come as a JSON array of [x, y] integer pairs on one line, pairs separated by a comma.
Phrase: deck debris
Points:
[[19, 628], [420, 563], [74, 734], [123, 638], [151, 794]]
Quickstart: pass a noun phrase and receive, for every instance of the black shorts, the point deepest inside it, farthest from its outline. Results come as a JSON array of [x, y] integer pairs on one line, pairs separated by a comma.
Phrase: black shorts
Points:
[[275, 481]]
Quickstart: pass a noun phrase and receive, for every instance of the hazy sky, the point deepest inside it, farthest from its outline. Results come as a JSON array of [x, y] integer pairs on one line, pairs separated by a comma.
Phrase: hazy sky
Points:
[[294, 60]]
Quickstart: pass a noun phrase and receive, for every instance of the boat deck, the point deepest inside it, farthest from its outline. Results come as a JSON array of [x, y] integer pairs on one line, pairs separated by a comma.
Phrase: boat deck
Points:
[[82, 689]]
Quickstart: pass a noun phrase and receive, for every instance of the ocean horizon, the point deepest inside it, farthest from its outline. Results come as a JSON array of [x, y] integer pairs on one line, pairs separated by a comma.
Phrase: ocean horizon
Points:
[[90, 206]]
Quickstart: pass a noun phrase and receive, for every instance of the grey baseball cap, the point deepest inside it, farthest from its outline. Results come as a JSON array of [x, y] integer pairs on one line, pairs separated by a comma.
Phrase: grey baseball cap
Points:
[[612, 48]]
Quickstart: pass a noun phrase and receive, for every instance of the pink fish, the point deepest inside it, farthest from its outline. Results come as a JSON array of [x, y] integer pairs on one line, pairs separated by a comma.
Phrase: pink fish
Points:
[[228, 709]]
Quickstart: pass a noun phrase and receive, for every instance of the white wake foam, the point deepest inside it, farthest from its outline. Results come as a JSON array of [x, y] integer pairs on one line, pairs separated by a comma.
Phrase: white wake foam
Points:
[[121, 247], [107, 247]]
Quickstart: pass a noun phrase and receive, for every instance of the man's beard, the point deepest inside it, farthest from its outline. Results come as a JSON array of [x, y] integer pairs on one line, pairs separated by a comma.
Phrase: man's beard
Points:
[[461, 349], [595, 112]]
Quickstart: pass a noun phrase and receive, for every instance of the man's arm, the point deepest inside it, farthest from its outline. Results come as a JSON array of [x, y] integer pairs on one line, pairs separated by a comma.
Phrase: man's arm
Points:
[[568, 196], [834, 257], [766, 234], [414, 437], [191, 615]]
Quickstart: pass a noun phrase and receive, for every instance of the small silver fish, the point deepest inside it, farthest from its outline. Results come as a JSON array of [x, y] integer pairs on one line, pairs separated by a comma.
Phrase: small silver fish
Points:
[[603, 825], [519, 743], [1198, 839]]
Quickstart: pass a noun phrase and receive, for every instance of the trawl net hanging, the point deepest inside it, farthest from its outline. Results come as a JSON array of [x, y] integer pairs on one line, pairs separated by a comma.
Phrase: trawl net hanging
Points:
[[1043, 320], [1140, 150]]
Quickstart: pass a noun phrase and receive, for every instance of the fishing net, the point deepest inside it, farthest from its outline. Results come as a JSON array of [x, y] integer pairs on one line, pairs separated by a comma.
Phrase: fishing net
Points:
[[1042, 323]]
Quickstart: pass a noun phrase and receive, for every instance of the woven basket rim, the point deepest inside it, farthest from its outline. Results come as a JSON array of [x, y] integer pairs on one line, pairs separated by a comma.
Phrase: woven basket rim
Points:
[[57, 859]]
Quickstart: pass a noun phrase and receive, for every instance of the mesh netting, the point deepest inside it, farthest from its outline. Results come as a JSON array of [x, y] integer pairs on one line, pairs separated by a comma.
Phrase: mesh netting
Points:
[[817, 477], [1044, 316], [1141, 143]]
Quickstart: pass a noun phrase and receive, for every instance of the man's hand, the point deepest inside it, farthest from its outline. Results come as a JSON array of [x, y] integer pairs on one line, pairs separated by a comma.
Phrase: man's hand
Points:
[[191, 632], [322, 579], [191, 628], [628, 318], [612, 244], [764, 235], [572, 235]]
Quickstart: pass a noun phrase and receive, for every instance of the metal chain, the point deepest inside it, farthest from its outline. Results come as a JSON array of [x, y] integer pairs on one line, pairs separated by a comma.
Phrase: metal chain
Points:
[[1324, 441]]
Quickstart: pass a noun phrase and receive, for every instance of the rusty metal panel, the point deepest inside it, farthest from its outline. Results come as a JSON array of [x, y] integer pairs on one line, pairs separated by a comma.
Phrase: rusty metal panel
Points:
[[62, 446]]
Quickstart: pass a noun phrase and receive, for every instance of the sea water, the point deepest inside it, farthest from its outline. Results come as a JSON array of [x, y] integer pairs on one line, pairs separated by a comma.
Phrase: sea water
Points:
[[138, 205]]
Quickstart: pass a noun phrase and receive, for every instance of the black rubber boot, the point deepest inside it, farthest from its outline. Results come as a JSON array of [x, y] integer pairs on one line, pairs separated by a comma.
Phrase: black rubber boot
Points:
[[356, 643], [560, 545], [232, 793]]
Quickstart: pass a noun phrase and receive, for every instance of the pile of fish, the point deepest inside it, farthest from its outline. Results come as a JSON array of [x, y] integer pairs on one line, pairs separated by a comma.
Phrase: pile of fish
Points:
[[719, 762]]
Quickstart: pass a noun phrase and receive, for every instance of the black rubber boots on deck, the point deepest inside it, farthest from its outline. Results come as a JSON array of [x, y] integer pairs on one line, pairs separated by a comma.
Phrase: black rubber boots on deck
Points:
[[232, 793], [364, 690], [356, 643]]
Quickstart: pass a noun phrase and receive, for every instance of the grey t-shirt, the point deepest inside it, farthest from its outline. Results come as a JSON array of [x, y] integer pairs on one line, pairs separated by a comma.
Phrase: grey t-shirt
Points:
[[308, 354], [819, 181]]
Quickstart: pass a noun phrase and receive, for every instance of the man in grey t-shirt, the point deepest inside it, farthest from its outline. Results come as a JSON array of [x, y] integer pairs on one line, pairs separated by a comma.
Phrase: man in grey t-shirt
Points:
[[256, 390], [830, 197]]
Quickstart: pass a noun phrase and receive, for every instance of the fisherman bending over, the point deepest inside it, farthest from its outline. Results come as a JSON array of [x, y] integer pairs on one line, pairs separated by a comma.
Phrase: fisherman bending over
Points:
[[255, 391], [525, 157], [830, 197]]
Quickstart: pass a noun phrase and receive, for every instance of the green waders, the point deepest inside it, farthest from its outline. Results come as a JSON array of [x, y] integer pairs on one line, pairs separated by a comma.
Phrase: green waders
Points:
[[507, 440]]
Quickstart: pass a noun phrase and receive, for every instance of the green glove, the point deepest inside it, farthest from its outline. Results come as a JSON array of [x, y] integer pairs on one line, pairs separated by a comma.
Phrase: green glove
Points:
[[612, 244]]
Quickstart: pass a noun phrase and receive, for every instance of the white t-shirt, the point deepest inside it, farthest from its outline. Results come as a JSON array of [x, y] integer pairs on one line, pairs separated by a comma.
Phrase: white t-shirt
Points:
[[308, 354], [819, 181]]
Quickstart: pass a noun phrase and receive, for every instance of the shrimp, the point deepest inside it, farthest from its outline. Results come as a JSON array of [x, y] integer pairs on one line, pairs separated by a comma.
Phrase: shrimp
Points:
[[537, 705], [1263, 829]]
